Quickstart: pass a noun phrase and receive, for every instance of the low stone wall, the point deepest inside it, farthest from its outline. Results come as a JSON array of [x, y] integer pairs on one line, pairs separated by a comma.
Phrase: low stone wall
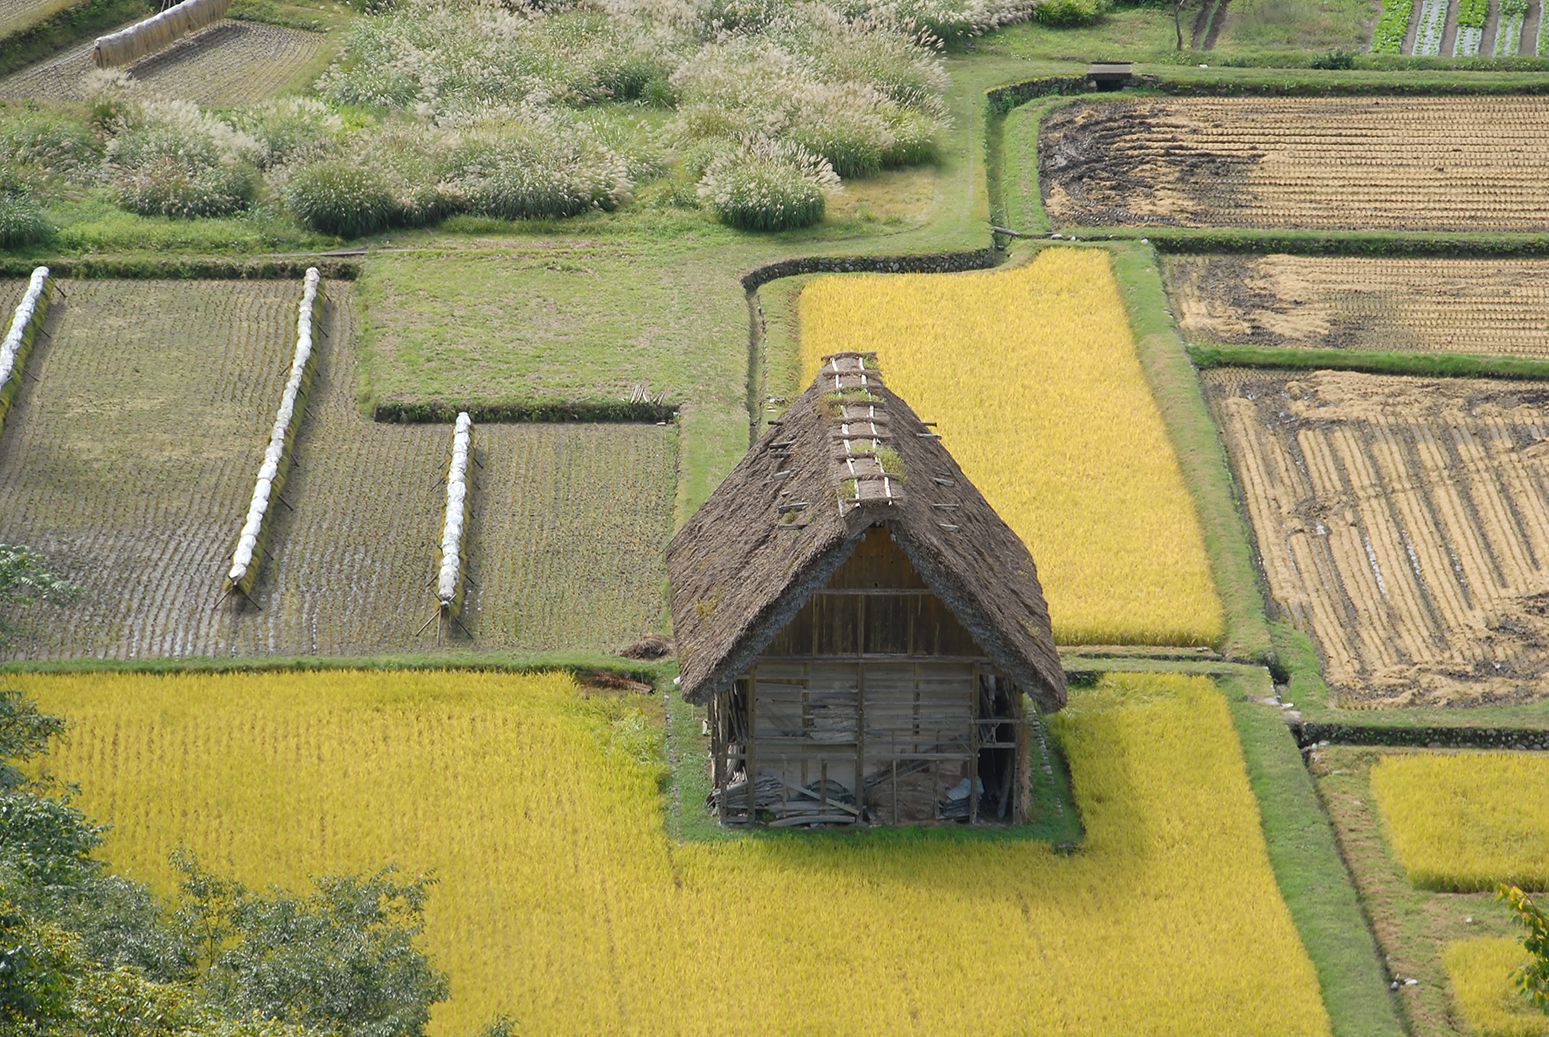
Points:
[[1436, 737]]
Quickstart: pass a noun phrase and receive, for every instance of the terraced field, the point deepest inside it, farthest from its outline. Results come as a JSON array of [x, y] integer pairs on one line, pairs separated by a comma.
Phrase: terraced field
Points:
[[1421, 305], [153, 424], [561, 902], [230, 63], [1377, 163], [1401, 521]]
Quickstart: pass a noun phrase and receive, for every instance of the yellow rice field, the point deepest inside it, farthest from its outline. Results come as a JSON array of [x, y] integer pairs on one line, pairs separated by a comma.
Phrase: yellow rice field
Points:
[[1466, 821], [1479, 971], [561, 903], [1032, 376]]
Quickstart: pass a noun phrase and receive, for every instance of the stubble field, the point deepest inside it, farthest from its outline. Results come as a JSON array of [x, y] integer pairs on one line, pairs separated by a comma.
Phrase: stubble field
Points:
[[1406, 305], [1374, 163], [149, 413], [232, 62], [561, 902], [1401, 521]]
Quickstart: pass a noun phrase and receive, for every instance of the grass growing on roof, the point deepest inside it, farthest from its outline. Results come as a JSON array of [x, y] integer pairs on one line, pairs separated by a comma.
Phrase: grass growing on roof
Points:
[[561, 902], [1465, 821], [1033, 376], [1479, 971]]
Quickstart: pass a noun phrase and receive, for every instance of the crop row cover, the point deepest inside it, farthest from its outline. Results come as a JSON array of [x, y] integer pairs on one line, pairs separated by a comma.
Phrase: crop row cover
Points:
[[31, 306], [271, 473], [450, 576], [159, 30]]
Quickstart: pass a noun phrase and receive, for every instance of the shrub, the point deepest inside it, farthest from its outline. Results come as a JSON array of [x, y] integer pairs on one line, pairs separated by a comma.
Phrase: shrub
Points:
[[52, 143], [1066, 13], [21, 220], [292, 129], [913, 139], [341, 197], [768, 184], [541, 170], [171, 159]]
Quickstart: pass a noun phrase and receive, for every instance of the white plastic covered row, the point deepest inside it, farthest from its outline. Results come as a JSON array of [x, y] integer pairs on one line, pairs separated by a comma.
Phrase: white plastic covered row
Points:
[[449, 580], [242, 559], [10, 347]]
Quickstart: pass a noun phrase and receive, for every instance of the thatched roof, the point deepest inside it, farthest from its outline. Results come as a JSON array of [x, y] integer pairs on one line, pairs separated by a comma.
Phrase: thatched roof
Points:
[[849, 455]]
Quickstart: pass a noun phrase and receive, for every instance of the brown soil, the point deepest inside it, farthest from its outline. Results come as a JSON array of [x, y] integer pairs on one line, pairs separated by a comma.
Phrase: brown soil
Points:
[[1442, 163], [1404, 523], [232, 62], [1427, 305], [149, 420]]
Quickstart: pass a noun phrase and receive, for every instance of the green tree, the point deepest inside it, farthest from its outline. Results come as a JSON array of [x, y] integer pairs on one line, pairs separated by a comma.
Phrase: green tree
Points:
[[25, 580], [1532, 976], [84, 952]]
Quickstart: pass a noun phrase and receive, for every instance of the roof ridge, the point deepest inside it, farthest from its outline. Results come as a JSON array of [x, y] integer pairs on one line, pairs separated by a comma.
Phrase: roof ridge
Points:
[[866, 469]]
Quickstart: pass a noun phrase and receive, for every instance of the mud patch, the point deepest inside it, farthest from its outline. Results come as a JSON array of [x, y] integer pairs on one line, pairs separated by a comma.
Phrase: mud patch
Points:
[[1404, 523]]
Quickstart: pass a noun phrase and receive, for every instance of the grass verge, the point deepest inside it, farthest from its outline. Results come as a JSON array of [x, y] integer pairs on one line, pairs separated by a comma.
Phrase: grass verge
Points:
[[1308, 867], [1427, 365]]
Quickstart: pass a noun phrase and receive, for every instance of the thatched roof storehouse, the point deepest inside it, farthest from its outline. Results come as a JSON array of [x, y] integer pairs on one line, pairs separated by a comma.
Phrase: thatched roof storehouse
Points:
[[860, 623]]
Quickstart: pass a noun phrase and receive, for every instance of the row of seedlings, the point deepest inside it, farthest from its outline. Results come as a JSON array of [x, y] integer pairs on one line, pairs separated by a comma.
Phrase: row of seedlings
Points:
[[160, 30], [451, 578], [26, 325], [277, 457]]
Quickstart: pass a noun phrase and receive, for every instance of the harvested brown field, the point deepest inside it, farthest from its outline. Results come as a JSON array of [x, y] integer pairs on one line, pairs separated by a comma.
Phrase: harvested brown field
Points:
[[18, 14], [1496, 306], [1373, 163], [150, 411], [1404, 523], [232, 62]]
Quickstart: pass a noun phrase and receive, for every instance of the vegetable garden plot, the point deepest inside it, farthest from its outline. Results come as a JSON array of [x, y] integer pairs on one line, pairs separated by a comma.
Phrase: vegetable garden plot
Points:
[[232, 63], [1404, 523], [1423, 305], [561, 903], [1378, 163]]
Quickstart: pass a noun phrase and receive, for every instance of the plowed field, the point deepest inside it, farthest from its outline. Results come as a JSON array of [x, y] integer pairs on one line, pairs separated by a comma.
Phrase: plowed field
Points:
[[149, 415], [1441, 163], [1421, 305], [1404, 522], [230, 63]]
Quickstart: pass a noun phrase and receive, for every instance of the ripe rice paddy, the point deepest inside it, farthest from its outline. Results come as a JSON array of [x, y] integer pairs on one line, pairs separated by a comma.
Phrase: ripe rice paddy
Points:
[[1400, 521], [232, 62], [1466, 821], [561, 903], [1033, 377], [1377, 163], [1421, 305], [149, 412], [1479, 972]]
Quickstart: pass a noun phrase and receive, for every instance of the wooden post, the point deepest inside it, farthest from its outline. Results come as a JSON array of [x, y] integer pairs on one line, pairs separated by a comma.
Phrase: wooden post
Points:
[[860, 734], [749, 754], [973, 751], [718, 753]]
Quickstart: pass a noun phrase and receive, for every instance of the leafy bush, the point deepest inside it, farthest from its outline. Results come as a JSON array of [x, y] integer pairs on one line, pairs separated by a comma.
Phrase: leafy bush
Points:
[[768, 185], [1069, 12], [174, 160], [21, 220], [341, 197]]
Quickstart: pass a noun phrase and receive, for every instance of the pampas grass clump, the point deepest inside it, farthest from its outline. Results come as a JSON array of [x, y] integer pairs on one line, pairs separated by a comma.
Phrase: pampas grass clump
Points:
[[768, 184]]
